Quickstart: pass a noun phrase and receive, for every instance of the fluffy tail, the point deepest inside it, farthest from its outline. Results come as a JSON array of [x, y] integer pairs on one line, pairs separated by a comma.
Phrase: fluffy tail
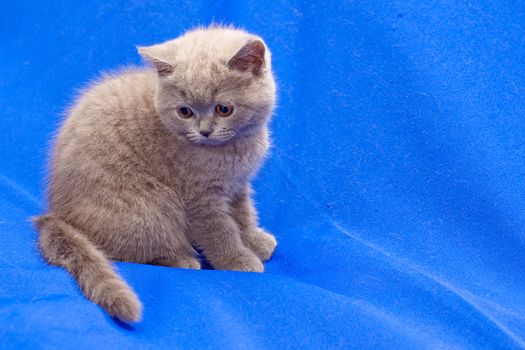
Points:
[[62, 245]]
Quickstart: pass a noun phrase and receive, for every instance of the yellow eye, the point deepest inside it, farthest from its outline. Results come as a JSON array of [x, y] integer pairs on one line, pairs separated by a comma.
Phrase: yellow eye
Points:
[[223, 110], [185, 112]]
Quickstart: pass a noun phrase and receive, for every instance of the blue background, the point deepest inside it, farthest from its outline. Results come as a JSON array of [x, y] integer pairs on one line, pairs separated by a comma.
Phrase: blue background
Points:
[[395, 186]]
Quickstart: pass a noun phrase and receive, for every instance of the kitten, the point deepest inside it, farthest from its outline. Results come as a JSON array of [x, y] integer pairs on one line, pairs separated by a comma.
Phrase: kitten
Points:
[[153, 162]]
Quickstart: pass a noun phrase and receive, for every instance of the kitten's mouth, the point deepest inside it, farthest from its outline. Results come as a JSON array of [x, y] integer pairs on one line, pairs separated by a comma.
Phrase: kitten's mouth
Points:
[[207, 141]]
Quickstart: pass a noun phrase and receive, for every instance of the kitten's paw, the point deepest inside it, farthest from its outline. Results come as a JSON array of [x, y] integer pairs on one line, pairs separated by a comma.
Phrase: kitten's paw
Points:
[[262, 244], [190, 263], [186, 262], [247, 262]]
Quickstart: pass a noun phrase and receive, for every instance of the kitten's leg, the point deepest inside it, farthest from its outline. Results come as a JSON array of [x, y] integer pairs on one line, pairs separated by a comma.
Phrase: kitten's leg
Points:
[[215, 232], [257, 239]]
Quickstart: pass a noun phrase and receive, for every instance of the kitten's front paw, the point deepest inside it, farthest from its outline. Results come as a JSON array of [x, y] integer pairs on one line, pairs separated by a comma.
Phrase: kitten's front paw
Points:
[[183, 262], [261, 243], [190, 263], [246, 262]]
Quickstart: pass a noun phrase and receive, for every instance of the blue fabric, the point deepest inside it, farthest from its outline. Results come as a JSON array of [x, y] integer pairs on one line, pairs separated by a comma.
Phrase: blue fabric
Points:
[[395, 186]]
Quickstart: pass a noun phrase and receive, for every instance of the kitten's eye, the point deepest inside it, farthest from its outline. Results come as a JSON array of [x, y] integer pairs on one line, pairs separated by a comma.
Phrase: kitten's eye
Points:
[[223, 110], [185, 112]]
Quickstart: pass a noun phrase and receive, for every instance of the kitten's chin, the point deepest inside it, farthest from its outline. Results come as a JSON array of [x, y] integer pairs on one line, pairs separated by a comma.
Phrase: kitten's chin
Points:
[[210, 142]]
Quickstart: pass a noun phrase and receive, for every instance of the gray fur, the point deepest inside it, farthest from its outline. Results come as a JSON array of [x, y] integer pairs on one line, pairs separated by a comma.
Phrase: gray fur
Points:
[[131, 180]]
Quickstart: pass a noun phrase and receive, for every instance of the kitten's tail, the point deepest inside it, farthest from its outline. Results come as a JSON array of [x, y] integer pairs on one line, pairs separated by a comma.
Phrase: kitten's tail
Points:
[[62, 245]]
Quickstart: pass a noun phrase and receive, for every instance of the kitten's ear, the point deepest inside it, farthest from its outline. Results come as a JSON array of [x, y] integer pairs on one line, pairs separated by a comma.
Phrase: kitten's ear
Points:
[[249, 57], [151, 54]]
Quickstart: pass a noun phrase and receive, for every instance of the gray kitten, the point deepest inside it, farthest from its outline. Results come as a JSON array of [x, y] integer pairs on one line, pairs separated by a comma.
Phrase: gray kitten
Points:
[[151, 163]]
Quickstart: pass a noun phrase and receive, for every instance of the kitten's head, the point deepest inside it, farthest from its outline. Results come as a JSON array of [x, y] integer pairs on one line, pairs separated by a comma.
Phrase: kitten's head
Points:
[[214, 85]]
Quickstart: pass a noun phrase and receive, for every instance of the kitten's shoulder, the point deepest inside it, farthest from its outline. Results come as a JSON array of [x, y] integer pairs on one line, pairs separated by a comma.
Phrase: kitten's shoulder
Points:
[[125, 81], [116, 98]]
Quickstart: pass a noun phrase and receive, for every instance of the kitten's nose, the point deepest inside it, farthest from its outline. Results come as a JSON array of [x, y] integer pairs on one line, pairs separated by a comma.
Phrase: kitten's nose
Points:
[[205, 133]]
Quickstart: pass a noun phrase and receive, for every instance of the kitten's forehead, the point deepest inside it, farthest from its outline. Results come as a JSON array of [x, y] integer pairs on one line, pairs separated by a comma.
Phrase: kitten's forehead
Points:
[[203, 84], [197, 81], [211, 44], [199, 60]]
